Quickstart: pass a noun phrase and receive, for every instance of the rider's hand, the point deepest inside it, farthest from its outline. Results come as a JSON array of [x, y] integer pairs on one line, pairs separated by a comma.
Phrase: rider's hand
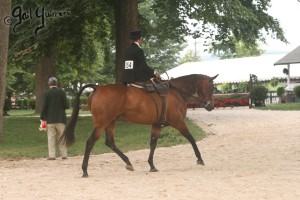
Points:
[[157, 74]]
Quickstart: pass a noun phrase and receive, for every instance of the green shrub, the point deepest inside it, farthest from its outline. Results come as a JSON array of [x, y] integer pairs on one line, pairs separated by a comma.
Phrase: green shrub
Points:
[[83, 100], [70, 102], [7, 106], [32, 104], [297, 91], [274, 82], [280, 91], [242, 87], [226, 87], [259, 93], [20, 103], [25, 103]]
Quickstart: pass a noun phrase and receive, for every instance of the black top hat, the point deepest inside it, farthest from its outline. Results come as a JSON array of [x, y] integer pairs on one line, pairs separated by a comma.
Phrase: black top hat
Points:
[[135, 35]]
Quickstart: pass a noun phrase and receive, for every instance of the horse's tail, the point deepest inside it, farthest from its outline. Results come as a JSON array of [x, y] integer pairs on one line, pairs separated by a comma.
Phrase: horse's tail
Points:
[[68, 136]]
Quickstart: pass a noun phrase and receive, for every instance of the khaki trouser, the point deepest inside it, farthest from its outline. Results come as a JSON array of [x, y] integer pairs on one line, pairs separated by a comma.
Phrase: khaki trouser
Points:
[[54, 132]]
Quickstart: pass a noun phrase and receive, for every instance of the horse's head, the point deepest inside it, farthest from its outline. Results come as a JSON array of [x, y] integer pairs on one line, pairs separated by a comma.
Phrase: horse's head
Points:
[[201, 85], [205, 89]]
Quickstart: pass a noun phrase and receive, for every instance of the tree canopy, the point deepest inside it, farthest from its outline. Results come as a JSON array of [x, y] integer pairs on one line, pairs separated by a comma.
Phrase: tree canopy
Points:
[[80, 39], [218, 21]]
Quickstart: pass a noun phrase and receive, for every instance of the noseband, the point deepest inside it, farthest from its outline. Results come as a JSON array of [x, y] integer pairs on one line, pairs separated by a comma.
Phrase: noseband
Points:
[[207, 104]]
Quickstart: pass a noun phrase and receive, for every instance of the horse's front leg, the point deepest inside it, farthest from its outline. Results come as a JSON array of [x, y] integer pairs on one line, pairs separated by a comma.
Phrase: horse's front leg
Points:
[[110, 142], [182, 128], [153, 142], [88, 148]]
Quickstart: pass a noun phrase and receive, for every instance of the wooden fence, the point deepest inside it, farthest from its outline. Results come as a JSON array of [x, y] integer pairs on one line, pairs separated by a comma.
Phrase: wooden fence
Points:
[[272, 98]]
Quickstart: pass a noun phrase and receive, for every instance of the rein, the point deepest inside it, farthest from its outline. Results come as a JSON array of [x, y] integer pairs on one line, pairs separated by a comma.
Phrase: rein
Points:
[[182, 93]]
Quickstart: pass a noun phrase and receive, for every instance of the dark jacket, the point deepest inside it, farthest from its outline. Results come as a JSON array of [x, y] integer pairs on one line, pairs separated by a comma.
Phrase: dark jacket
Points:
[[54, 105], [135, 68]]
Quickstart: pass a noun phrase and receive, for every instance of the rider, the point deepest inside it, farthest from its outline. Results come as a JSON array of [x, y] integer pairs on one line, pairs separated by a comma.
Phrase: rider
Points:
[[136, 68]]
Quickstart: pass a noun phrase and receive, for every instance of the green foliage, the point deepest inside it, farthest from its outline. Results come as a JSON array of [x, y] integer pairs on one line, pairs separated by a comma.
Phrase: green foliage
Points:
[[7, 106], [226, 87], [259, 93], [280, 91], [20, 103], [225, 23], [189, 57], [25, 103], [84, 100], [25, 140], [274, 82], [162, 52], [79, 41], [32, 103], [297, 91], [238, 51], [20, 73], [274, 88], [242, 86]]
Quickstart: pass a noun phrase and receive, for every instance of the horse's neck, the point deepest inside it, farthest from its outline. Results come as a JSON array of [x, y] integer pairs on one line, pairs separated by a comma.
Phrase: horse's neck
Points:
[[186, 87]]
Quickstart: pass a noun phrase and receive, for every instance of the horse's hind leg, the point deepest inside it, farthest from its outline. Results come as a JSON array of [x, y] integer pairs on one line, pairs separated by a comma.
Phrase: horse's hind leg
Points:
[[88, 148], [154, 136], [110, 142], [182, 128]]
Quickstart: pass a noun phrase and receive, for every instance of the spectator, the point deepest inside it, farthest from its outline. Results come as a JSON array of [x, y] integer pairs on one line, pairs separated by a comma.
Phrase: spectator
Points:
[[53, 112]]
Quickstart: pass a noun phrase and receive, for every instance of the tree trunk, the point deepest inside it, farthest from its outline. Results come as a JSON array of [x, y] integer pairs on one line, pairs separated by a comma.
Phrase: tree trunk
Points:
[[126, 13], [5, 8], [44, 70]]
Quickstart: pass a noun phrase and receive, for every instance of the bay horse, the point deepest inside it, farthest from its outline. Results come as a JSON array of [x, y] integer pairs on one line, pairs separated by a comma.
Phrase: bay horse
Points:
[[112, 102]]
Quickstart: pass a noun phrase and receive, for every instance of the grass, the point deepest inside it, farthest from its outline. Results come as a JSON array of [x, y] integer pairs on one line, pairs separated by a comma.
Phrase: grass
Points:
[[22, 139], [28, 113], [281, 106]]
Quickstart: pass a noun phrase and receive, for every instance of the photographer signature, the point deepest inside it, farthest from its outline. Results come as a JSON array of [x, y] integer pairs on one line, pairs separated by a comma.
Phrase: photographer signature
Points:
[[19, 16]]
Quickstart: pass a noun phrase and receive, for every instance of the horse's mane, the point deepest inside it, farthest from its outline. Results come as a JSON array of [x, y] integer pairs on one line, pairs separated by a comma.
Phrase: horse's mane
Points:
[[191, 77]]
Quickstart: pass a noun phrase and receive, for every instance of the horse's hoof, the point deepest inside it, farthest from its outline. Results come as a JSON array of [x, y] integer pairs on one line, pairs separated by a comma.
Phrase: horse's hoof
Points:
[[85, 175], [153, 170], [200, 162], [129, 167]]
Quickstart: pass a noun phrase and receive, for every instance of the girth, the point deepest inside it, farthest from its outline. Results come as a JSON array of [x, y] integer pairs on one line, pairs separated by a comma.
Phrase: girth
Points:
[[161, 87]]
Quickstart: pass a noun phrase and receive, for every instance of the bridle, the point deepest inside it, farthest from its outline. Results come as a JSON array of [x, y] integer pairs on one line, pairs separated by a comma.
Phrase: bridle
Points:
[[185, 95]]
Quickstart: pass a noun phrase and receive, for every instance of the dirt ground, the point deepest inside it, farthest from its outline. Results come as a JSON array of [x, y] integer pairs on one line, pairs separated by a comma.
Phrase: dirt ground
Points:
[[249, 154]]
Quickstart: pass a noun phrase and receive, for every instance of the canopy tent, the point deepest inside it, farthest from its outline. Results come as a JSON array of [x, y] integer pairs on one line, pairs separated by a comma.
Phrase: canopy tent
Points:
[[234, 70], [292, 57]]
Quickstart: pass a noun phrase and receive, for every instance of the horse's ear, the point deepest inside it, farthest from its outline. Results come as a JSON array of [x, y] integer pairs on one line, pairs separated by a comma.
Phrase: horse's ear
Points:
[[213, 78]]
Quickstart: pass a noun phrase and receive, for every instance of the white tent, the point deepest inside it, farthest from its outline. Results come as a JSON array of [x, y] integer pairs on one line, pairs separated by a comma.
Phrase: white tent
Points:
[[235, 70]]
